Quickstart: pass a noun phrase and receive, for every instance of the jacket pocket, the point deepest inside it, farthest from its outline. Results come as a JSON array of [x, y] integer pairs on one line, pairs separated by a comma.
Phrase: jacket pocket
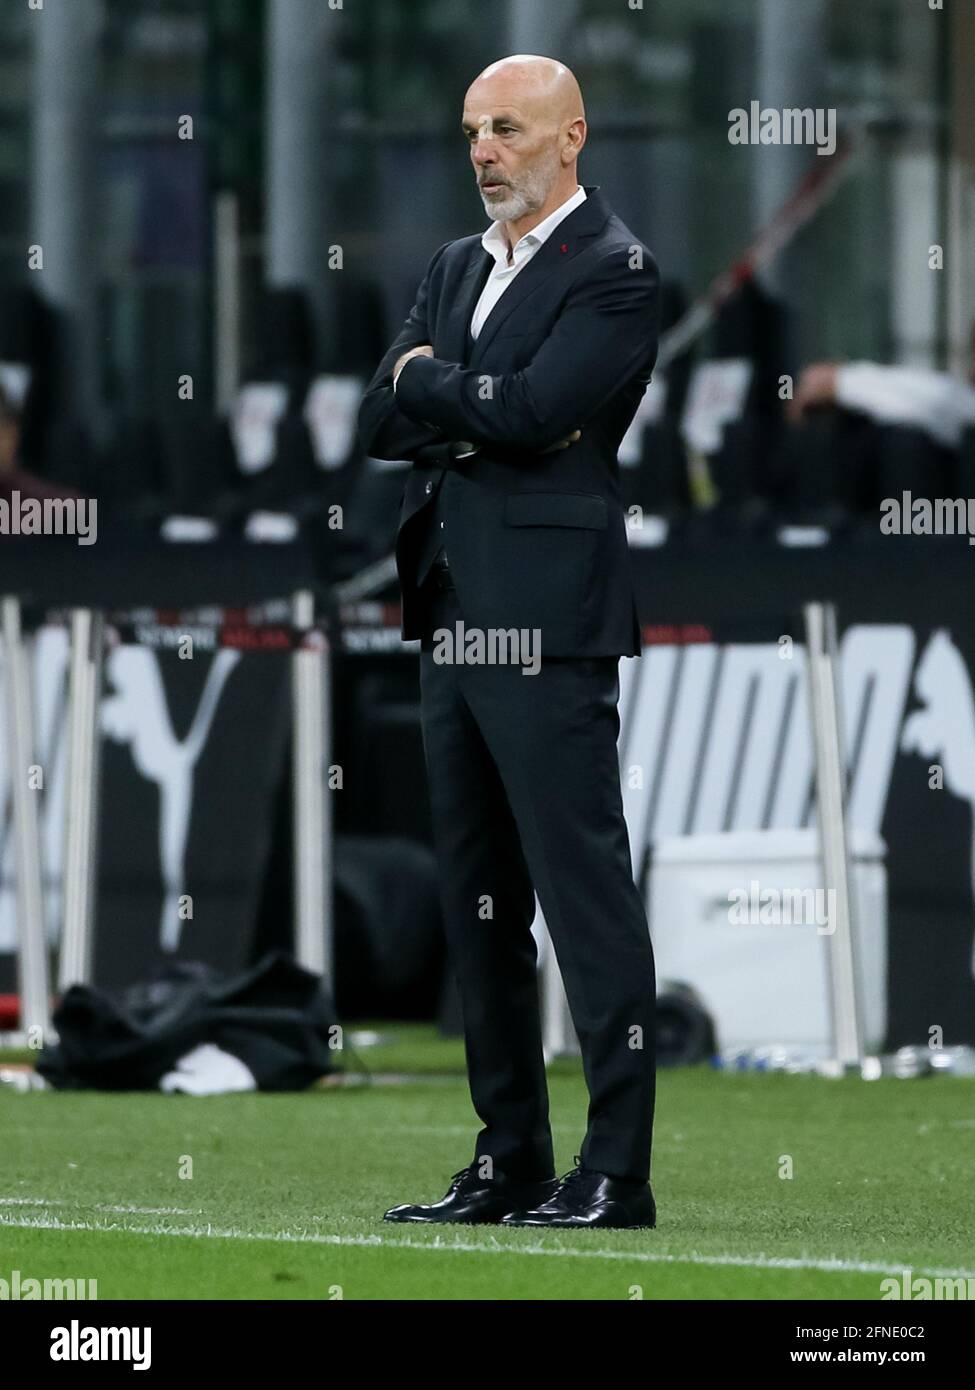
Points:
[[581, 509]]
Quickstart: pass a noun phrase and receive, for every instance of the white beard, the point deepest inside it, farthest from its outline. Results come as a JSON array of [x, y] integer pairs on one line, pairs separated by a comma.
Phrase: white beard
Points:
[[533, 188], [507, 209]]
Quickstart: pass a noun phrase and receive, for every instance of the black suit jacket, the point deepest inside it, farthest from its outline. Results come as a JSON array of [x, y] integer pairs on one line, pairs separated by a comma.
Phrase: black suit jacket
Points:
[[534, 540]]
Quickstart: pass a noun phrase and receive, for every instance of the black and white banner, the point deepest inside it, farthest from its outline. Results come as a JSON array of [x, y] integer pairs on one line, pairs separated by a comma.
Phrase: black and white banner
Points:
[[714, 715], [722, 729], [192, 755]]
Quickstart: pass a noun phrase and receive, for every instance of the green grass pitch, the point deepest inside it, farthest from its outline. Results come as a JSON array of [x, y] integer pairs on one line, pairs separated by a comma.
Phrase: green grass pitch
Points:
[[287, 1192]]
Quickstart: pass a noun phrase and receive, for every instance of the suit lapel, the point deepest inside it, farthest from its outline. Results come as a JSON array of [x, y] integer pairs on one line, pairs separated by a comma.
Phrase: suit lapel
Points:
[[569, 238], [472, 281]]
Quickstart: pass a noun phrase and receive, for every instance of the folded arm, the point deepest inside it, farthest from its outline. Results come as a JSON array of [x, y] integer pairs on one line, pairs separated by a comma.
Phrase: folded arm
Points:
[[385, 432], [606, 333]]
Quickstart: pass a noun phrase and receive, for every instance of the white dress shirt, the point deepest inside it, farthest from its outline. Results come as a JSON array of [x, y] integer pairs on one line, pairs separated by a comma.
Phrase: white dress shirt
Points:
[[495, 243]]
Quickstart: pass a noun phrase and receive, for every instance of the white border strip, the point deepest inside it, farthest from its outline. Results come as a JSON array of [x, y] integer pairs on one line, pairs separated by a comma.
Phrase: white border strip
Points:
[[494, 1247]]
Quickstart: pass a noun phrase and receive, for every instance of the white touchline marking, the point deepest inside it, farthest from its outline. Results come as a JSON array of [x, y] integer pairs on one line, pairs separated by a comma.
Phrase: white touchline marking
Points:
[[99, 1206], [209, 1232], [146, 1211], [28, 1202]]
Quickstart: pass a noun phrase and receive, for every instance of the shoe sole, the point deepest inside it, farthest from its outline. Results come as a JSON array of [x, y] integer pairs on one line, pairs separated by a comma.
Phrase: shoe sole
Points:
[[441, 1221], [575, 1226]]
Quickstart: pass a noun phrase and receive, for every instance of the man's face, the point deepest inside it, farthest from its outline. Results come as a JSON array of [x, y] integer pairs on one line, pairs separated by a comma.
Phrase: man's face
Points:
[[514, 150]]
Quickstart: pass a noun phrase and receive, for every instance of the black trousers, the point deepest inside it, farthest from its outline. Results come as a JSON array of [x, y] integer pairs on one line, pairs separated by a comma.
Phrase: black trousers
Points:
[[525, 794]]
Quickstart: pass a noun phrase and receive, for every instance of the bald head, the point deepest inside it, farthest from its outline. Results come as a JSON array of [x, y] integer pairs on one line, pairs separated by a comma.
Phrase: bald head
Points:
[[525, 122], [543, 84]]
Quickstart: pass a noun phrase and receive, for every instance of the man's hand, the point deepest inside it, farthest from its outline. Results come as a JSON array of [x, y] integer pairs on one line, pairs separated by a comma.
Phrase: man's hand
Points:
[[424, 350], [562, 443], [816, 388]]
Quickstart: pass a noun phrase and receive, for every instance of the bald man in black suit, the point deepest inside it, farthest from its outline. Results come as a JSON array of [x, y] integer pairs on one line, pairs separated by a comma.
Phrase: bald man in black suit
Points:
[[510, 387]]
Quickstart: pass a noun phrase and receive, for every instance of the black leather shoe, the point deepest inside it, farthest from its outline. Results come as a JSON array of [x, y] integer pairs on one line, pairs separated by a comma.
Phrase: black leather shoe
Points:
[[471, 1198], [585, 1199]]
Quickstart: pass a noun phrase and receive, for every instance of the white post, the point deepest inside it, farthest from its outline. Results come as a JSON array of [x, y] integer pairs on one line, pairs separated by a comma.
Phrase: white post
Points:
[[32, 943], [820, 621], [300, 54], [66, 96], [227, 311], [81, 822], [312, 831]]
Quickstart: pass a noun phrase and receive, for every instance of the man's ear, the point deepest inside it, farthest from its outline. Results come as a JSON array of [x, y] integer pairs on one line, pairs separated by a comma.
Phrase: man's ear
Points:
[[576, 132]]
